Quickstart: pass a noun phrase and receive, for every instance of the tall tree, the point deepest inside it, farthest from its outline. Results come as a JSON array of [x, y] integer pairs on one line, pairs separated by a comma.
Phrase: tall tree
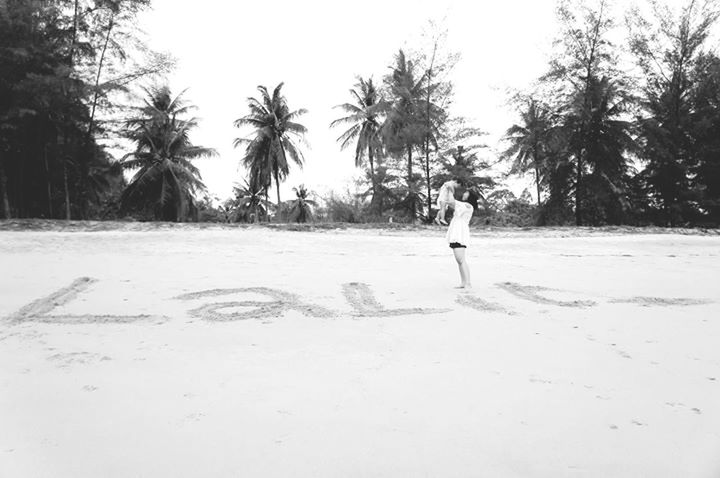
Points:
[[275, 132], [706, 132], [668, 44], [437, 63], [364, 119], [597, 126], [404, 128], [585, 55], [42, 107], [165, 180]]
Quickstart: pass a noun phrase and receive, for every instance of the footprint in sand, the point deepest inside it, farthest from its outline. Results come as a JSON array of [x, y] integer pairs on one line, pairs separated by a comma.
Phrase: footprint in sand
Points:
[[66, 360], [193, 417], [682, 405], [624, 354]]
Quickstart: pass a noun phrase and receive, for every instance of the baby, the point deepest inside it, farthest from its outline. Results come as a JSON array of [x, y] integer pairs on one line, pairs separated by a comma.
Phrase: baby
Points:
[[445, 195]]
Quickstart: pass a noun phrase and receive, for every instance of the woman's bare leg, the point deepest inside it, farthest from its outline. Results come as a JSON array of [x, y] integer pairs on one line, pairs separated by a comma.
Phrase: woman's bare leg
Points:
[[462, 267]]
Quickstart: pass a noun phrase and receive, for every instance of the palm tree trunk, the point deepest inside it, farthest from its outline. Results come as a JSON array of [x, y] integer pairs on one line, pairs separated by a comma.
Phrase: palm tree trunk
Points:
[[3, 186], [537, 182], [277, 189], [73, 43], [91, 124], [410, 182], [49, 182], [409, 165], [427, 129], [372, 172], [578, 192], [67, 193], [427, 176], [267, 205]]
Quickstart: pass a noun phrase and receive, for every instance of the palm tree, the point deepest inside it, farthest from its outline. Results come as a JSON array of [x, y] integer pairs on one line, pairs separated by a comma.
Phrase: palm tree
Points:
[[465, 166], [384, 192], [266, 153], [529, 141], [405, 128], [300, 210], [364, 120], [249, 201], [165, 177]]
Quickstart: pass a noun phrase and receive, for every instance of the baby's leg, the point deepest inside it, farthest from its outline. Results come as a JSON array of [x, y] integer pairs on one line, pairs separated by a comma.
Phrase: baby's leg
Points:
[[442, 207]]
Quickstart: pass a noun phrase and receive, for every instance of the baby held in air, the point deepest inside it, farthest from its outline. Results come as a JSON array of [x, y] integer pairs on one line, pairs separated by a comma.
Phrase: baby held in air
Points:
[[445, 195]]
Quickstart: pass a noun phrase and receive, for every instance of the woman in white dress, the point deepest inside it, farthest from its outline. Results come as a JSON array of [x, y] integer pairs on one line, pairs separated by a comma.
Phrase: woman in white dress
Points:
[[458, 234]]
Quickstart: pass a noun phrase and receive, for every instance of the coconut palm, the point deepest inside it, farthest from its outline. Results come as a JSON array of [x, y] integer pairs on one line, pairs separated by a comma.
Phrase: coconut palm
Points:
[[249, 201], [464, 166], [275, 133], [165, 180], [364, 119], [384, 193], [300, 208], [529, 141]]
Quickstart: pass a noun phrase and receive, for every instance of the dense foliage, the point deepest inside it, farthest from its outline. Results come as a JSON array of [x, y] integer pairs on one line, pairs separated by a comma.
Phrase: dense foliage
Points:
[[61, 63]]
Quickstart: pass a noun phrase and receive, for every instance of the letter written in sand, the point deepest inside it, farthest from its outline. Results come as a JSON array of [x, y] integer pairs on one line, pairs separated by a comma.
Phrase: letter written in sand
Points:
[[39, 310], [532, 293], [361, 298], [259, 309]]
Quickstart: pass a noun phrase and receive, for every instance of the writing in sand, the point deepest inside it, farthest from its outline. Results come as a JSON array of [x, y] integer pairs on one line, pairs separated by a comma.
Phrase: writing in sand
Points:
[[359, 296]]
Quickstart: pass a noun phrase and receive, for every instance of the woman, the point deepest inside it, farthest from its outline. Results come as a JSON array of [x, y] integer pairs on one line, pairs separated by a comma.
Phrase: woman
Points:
[[458, 234]]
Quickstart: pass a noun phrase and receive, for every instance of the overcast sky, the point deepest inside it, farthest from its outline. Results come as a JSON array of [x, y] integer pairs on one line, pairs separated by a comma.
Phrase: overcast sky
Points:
[[317, 48]]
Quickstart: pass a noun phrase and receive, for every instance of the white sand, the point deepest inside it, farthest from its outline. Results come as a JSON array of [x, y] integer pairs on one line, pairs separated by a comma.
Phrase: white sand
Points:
[[616, 373]]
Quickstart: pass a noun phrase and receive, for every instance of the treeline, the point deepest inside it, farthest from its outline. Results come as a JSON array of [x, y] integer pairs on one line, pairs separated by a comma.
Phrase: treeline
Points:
[[624, 128]]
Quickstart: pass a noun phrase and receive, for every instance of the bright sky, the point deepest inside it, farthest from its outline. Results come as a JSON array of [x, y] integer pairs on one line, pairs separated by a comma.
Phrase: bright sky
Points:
[[225, 49]]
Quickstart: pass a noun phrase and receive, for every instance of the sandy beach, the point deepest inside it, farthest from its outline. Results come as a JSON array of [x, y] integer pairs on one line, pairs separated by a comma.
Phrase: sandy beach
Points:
[[258, 352]]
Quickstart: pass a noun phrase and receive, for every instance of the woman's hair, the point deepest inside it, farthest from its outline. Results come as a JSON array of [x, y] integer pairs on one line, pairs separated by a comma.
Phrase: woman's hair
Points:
[[473, 198]]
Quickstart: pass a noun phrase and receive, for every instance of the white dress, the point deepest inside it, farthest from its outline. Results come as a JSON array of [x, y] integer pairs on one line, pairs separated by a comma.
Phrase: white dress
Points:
[[444, 195], [459, 229]]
